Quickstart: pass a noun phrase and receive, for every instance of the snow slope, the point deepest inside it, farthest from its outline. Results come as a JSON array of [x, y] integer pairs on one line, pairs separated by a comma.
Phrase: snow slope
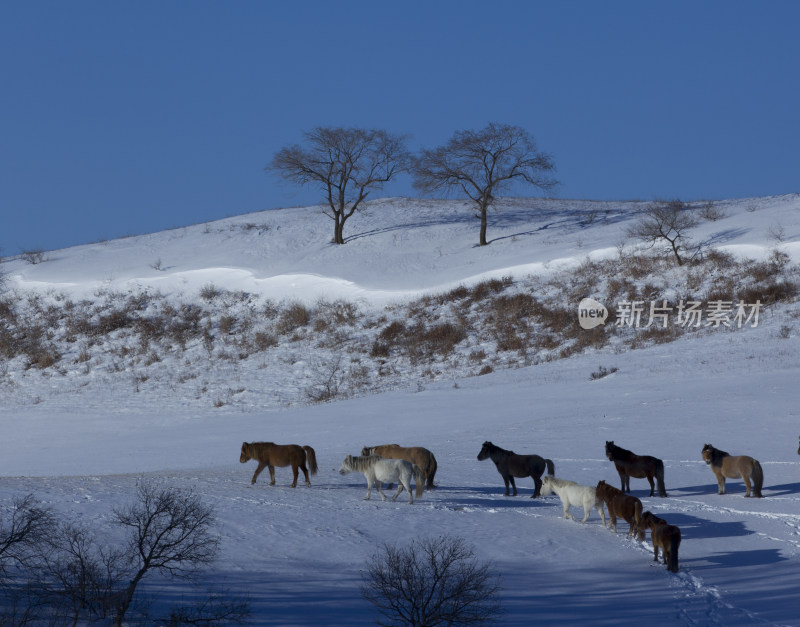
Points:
[[298, 553]]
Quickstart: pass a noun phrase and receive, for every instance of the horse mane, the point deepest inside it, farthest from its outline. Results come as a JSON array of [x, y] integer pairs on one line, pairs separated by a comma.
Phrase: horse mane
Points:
[[558, 481], [716, 454], [360, 463], [493, 447], [649, 517], [618, 450], [254, 449]]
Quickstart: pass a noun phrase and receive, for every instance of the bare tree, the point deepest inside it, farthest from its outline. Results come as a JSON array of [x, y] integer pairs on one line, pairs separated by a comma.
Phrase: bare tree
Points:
[[346, 164], [481, 164], [668, 222], [82, 577], [431, 582], [169, 532], [23, 535]]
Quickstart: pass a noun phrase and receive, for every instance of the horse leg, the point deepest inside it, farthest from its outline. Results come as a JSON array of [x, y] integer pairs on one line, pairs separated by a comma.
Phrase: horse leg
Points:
[[655, 552], [369, 488], [261, 466], [271, 474], [565, 504], [294, 474], [720, 484], [537, 486], [378, 488], [587, 509], [601, 510], [652, 485], [398, 491], [305, 472], [746, 480], [509, 480]]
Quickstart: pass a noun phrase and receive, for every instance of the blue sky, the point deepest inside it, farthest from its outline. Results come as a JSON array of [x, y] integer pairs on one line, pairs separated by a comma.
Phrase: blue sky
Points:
[[120, 118]]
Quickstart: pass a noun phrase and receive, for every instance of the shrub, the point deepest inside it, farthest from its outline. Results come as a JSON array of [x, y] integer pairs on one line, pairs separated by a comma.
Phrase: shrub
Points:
[[293, 317], [601, 372], [431, 582]]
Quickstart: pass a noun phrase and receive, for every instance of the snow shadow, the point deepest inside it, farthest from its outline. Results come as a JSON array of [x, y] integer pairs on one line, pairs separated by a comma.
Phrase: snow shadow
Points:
[[694, 528], [735, 559]]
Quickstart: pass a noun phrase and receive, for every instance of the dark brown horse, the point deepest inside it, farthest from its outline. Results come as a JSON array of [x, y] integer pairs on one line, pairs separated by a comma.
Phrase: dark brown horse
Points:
[[625, 506], [665, 537], [629, 465], [269, 455], [734, 466], [511, 465]]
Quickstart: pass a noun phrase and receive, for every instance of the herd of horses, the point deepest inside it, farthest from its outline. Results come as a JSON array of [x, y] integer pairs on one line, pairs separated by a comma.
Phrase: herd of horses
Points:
[[392, 463]]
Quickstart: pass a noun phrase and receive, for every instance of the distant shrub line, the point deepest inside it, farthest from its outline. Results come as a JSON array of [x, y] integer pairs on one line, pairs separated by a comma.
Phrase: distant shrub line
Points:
[[478, 329]]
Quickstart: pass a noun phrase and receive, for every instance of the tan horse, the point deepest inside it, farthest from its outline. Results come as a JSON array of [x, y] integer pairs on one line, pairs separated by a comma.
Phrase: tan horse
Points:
[[418, 455], [734, 466], [623, 505], [269, 455], [665, 537]]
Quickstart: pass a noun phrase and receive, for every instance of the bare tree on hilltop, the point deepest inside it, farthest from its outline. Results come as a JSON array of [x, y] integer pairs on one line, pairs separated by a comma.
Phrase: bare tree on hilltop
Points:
[[666, 222], [480, 164], [346, 164]]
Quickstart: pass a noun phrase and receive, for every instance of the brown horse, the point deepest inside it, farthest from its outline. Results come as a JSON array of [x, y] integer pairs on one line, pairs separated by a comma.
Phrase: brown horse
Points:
[[734, 466], [665, 537], [623, 505], [629, 465], [418, 455], [511, 465], [269, 455]]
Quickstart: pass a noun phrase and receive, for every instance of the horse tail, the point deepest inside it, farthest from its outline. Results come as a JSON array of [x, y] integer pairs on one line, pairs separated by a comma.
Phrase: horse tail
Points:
[[758, 478], [432, 467], [419, 479], [637, 518], [311, 456], [674, 543], [662, 489], [551, 469]]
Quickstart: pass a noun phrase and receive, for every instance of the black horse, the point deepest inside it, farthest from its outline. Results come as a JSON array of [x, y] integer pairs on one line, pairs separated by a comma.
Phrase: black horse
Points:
[[511, 465], [637, 466]]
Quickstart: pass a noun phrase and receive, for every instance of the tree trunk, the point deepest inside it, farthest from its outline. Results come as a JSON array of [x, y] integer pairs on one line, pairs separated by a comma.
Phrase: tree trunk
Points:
[[125, 601], [338, 238], [484, 209], [675, 250]]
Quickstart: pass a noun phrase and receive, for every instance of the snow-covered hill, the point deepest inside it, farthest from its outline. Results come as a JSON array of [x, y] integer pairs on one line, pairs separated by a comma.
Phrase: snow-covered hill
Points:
[[81, 433]]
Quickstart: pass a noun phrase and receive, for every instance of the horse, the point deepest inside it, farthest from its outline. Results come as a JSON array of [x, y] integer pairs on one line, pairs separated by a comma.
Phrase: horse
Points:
[[511, 465], [798, 450], [664, 536], [629, 465], [269, 455], [377, 470], [572, 493], [734, 466], [623, 505], [418, 455]]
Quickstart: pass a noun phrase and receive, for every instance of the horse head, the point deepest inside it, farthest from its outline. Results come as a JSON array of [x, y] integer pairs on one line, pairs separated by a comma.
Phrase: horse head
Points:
[[485, 450], [244, 456], [347, 465], [610, 450], [708, 453]]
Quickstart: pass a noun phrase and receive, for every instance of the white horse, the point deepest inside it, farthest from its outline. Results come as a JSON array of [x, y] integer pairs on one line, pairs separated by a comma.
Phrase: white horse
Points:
[[378, 470], [572, 493]]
